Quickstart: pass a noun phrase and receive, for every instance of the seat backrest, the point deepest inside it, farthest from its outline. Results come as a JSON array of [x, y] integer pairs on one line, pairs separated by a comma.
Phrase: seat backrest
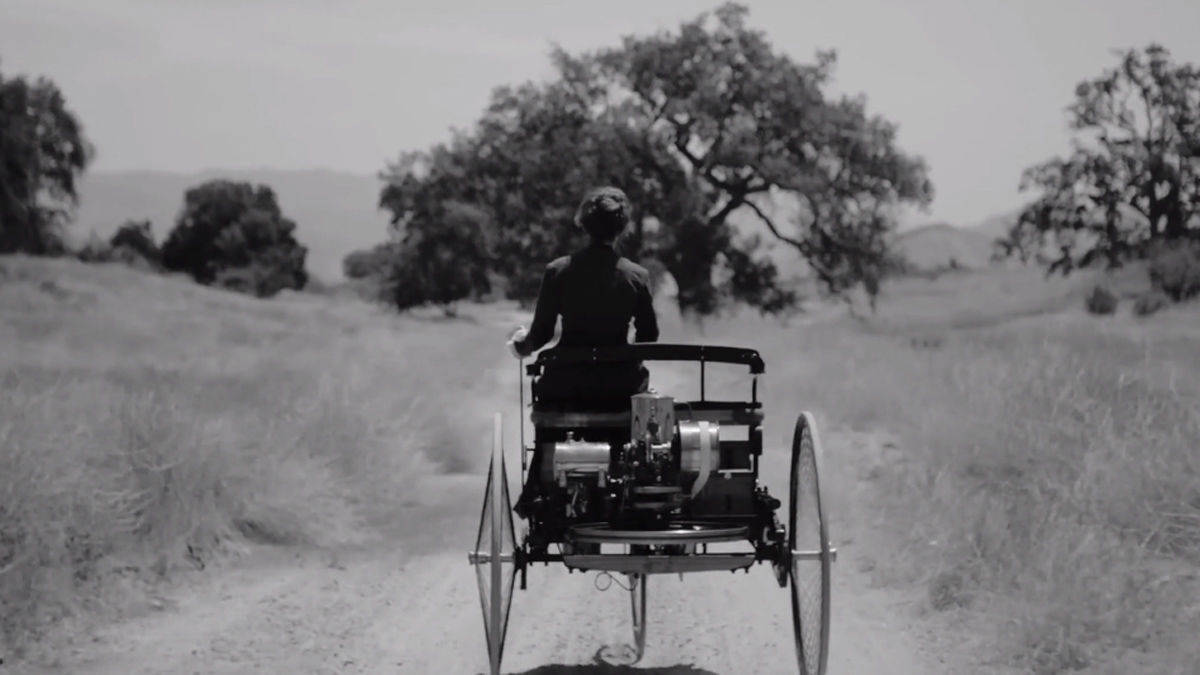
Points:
[[721, 412], [556, 419]]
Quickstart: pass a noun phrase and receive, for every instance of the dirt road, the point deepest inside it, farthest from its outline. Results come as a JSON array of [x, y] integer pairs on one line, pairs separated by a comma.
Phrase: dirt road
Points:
[[413, 608], [409, 602]]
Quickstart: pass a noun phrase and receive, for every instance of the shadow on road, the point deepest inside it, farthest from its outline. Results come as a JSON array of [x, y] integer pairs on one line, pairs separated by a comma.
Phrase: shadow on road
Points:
[[605, 666], [605, 669]]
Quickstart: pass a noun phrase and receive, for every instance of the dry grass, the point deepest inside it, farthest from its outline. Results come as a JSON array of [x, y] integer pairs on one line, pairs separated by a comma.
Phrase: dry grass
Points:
[[148, 424], [1048, 479], [1047, 483]]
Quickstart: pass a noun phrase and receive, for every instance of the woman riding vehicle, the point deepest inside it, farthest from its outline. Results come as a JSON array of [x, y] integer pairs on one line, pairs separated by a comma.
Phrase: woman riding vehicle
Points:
[[598, 293]]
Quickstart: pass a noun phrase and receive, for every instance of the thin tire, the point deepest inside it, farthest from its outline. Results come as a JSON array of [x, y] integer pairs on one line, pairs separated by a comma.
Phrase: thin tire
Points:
[[495, 547], [637, 603], [496, 495], [809, 554]]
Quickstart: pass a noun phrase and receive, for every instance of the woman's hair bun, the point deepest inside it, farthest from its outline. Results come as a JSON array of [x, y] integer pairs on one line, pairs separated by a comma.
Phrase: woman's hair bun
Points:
[[604, 213], [608, 203]]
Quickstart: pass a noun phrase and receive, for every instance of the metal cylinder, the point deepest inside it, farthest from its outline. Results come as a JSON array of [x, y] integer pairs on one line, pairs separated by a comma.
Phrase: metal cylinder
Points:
[[573, 457], [652, 418], [696, 440]]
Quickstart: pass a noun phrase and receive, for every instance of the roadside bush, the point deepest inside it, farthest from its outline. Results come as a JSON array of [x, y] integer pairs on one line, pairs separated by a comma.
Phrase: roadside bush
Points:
[[1101, 301], [272, 272], [95, 250], [1175, 270], [133, 258], [371, 262], [1149, 303], [132, 244], [442, 263], [234, 235], [136, 237]]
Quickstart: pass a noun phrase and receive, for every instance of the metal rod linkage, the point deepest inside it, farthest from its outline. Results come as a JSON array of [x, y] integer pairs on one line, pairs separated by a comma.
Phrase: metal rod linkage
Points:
[[521, 411]]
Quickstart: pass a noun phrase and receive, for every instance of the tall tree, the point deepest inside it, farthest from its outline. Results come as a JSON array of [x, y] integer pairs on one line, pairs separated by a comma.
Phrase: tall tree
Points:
[[747, 122], [42, 153], [235, 235], [533, 154], [1133, 176], [442, 261], [694, 126]]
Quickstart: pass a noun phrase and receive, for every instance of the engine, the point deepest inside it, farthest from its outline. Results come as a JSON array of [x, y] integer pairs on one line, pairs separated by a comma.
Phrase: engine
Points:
[[642, 482]]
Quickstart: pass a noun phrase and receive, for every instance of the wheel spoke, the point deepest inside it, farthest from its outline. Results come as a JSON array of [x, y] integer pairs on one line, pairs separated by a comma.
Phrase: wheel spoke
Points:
[[494, 556]]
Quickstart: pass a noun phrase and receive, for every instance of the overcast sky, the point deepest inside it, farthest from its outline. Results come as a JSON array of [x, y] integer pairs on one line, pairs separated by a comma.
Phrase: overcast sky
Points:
[[978, 88]]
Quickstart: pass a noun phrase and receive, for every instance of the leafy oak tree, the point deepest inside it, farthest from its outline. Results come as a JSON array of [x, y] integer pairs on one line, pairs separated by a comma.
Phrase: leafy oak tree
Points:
[[747, 122], [42, 153], [534, 152], [1132, 181], [234, 235], [695, 126], [442, 261]]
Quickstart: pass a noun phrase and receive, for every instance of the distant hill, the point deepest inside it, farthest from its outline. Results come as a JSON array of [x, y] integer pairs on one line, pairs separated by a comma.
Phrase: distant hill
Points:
[[997, 225], [940, 246], [335, 212]]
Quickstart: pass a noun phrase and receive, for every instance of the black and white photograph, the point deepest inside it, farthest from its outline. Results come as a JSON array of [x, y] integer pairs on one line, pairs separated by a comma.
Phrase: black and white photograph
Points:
[[673, 337]]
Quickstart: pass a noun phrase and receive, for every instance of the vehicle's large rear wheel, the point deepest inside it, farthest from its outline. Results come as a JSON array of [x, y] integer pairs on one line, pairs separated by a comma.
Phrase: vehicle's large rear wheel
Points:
[[494, 555], [809, 553]]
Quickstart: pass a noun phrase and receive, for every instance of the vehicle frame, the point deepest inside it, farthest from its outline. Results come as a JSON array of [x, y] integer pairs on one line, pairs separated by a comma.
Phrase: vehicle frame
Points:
[[733, 507]]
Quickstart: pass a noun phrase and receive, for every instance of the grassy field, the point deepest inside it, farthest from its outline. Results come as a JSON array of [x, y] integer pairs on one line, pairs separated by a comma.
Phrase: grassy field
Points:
[[1044, 484], [149, 424]]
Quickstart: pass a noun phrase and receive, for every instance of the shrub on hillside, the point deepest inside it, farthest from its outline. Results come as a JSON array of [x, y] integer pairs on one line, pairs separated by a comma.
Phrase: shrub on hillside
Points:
[[370, 262], [1149, 303], [1101, 301], [95, 250], [270, 273], [1175, 270], [133, 258], [234, 235], [132, 244], [442, 263], [137, 237]]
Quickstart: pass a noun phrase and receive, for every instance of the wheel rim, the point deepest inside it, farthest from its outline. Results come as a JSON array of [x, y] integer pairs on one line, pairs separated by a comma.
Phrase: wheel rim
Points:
[[809, 555]]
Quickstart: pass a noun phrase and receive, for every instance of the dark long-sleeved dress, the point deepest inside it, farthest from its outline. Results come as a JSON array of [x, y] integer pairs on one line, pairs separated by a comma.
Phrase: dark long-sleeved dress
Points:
[[598, 294]]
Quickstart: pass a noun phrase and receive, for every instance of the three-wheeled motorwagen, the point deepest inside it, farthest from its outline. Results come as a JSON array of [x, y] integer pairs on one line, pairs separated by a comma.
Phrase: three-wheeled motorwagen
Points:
[[652, 486]]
